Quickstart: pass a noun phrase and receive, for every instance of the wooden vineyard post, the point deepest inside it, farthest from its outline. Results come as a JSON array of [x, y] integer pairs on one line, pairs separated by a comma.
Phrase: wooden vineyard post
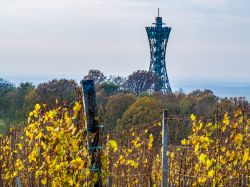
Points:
[[244, 180], [110, 177], [110, 181], [164, 162], [93, 129], [185, 181]]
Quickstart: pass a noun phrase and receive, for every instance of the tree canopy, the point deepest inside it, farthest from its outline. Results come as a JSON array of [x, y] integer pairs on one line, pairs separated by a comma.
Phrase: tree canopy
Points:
[[143, 111], [140, 81], [123, 101], [115, 108]]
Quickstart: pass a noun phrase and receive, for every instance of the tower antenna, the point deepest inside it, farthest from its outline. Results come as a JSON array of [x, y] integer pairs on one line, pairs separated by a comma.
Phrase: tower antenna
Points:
[[158, 12]]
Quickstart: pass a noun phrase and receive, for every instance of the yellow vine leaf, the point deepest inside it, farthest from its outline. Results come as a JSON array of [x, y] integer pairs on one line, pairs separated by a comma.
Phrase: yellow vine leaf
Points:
[[222, 160], [70, 181], [113, 145], [193, 117], [172, 155], [223, 149], [77, 163], [20, 146], [150, 142], [223, 129], [183, 142], [44, 181], [238, 138], [208, 163], [37, 107], [202, 158], [226, 119], [211, 173], [77, 107], [235, 125], [196, 148], [246, 156], [39, 135], [133, 163], [29, 134], [201, 180]]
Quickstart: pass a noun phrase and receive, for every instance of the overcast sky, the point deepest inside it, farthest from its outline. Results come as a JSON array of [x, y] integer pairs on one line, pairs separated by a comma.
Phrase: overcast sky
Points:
[[209, 38]]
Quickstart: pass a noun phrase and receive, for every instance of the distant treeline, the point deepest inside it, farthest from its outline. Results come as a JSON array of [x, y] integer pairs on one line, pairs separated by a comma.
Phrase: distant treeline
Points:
[[123, 101]]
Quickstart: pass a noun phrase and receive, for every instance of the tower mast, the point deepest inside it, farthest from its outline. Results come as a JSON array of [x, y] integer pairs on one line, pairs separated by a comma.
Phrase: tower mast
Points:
[[158, 39]]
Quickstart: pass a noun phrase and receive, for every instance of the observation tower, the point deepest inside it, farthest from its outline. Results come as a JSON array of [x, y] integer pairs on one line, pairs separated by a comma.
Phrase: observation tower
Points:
[[158, 39]]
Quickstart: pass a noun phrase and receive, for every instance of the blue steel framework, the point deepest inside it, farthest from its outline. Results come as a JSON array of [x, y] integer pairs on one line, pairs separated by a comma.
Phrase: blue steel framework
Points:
[[158, 39]]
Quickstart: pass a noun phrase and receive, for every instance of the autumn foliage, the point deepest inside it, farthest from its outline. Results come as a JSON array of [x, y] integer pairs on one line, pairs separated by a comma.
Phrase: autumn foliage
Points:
[[51, 150], [215, 154]]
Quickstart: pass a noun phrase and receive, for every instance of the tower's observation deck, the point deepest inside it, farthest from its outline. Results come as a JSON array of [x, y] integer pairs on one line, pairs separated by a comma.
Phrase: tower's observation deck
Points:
[[158, 39]]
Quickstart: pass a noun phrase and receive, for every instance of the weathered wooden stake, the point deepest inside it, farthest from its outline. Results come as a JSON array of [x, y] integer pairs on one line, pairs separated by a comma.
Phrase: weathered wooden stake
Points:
[[164, 182], [110, 177], [93, 129], [18, 181], [185, 181], [110, 181], [244, 180]]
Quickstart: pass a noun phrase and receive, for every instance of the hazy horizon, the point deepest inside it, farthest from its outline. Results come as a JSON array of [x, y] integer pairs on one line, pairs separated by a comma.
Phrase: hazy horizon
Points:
[[221, 87]]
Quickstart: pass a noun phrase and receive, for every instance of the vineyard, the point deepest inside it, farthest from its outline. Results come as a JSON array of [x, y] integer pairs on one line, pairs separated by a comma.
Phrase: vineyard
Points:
[[51, 151], [183, 122], [215, 152]]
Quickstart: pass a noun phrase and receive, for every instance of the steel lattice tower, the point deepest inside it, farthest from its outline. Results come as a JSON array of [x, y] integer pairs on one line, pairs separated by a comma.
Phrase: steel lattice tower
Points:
[[158, 39]]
